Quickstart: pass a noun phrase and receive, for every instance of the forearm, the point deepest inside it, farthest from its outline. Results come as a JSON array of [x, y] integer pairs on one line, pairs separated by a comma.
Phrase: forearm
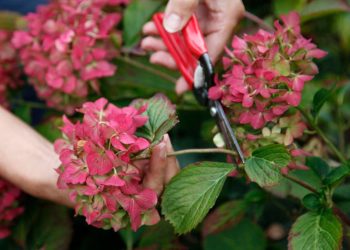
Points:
[[28, 160]]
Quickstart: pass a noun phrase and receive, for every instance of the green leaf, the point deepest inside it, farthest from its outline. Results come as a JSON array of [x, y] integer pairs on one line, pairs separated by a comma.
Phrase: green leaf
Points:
[[10, 20], [312, 202], [287, 187], [223, 217], [343, 29], [24, 112], [159, 236], [321, 8], [283, 7], [264, 167], [190, 194], [263, 172], [43, 226], [316, 231], [50, 129], [319, 166], [136, 77], [136, 15], [337, 174], [245, 235], [320, 98], [161, 118], [276, 153]]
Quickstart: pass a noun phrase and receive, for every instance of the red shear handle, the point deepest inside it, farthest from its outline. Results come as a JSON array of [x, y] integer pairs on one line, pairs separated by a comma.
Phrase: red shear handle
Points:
[[194, 38], [185, 47]]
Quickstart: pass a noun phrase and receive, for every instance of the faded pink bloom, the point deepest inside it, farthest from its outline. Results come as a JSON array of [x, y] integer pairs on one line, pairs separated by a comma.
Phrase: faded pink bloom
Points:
[[96, 166], [67, 48], [9, 208], [260, 84]]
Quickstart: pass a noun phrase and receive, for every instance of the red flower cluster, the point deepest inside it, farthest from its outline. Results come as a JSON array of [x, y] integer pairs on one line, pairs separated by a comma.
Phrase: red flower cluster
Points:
[[9, 66], [96, 166], [9, 208], [266, 72], [67, 48]]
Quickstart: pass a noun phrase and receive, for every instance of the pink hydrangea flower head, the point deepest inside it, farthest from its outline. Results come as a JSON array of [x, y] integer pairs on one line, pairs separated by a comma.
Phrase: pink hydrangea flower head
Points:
[[67, 48], [9, 208], [265, 73], [9, 66], [96, 166]]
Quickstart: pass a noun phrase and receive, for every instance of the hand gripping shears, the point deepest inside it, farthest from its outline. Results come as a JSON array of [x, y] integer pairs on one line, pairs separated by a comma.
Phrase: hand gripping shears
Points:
[[190, 52]]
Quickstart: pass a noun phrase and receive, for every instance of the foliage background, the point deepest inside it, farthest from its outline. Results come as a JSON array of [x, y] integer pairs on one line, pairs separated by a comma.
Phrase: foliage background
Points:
[[257, 219]]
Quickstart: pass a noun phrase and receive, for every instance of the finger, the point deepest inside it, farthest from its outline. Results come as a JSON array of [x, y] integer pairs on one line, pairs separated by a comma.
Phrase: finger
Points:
[[154, 178], [220, 27], [153, 44], [177, 14], [150, 29], [163, 58], [173, 165], [181, 86]]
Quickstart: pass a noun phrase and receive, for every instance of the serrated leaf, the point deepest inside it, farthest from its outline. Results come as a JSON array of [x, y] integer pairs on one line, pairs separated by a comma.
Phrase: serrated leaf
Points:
[[136, 15], [319, 166], [263, 172], [316, 231], [161, 118], [223, 217], [264, 167], [276, 153], [321, 8], [245, 235], [190, 194], [337, 174], [320, 98]]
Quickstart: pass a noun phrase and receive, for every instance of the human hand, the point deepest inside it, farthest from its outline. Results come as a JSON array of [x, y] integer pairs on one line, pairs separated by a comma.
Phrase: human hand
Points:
[[159, 169], [216, 19]]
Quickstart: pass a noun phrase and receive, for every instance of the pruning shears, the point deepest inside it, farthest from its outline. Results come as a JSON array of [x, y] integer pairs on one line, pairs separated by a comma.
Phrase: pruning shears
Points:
[[190, 52]]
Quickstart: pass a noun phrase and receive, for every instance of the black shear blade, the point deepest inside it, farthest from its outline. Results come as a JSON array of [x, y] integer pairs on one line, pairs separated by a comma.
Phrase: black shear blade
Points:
[[226, 130]]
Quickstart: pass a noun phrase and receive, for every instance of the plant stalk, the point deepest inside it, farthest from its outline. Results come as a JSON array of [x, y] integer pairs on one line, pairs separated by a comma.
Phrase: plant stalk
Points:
[[330, 144], [194, 151], [301, 183], [258, 21]]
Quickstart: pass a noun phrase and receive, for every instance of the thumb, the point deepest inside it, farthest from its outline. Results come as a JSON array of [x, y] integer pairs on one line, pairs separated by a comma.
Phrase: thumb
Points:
[[177, 14]]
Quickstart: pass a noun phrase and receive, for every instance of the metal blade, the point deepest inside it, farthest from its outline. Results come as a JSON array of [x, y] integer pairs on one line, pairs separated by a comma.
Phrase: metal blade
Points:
[[226, 130]]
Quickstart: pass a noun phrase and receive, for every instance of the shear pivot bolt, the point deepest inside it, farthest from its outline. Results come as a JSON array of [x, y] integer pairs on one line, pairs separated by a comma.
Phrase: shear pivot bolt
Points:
[[213, 111]]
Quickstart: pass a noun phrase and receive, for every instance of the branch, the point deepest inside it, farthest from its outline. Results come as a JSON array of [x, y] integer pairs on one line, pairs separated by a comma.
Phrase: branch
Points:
[[301, 183], [341, 215], [193, 151], [258, 21]]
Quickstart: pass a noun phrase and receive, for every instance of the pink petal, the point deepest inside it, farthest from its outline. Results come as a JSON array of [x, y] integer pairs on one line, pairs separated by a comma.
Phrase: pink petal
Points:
[[146, 199]]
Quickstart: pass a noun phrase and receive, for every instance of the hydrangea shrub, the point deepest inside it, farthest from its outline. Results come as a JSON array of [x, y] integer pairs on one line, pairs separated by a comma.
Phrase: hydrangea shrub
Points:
[[67, 47], [97, 161]]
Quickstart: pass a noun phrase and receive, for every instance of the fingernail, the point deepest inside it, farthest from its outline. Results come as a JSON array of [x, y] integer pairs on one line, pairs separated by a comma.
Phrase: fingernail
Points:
[[172, 23]]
